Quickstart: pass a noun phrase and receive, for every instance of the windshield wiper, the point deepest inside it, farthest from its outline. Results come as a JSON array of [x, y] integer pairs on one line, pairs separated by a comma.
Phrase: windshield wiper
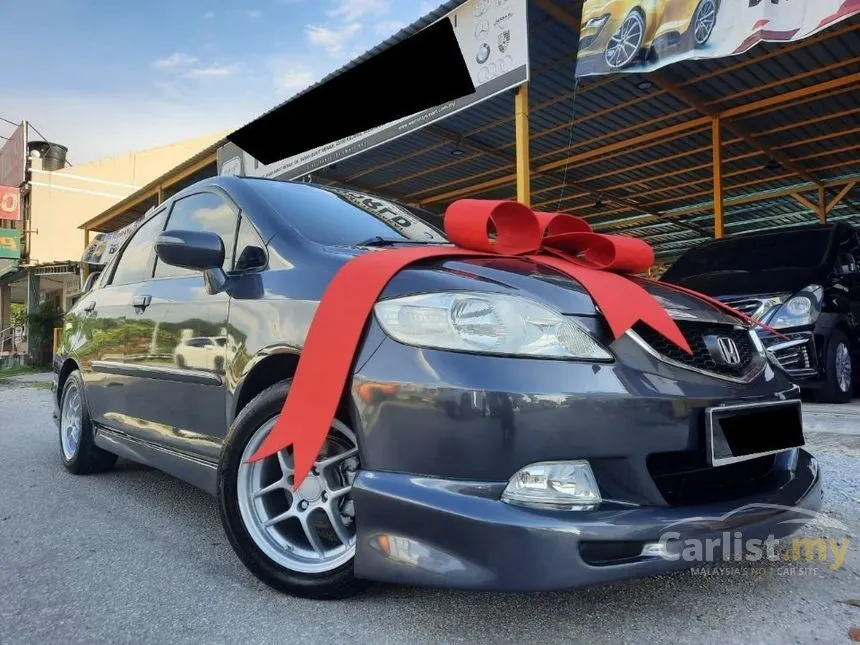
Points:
[[384, 241]]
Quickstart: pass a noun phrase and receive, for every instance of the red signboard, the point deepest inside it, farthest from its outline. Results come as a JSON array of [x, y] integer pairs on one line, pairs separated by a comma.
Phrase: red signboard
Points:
[[13, 156], [10, 203]]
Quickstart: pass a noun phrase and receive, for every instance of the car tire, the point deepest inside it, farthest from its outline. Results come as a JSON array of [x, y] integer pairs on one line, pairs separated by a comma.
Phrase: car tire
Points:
[[703, 23], [78, 449], [249, 497], [625, 45], [838, 386]]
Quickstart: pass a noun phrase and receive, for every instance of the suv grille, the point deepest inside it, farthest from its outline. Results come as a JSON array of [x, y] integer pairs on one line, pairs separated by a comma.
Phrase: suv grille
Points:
[[701, 359]]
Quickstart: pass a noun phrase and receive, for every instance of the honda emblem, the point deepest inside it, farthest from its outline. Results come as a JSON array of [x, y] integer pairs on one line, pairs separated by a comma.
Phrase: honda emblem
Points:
[[729, 350]]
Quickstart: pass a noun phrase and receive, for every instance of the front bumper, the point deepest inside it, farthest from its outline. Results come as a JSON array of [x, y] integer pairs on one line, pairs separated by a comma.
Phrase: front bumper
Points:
[[441, 433], [449, 533]]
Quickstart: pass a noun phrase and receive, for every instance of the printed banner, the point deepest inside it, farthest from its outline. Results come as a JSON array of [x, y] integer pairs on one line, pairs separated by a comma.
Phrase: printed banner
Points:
[[13, 156], [10, 203], [645, 35], [103, 248], [10, 243], [493, 39]]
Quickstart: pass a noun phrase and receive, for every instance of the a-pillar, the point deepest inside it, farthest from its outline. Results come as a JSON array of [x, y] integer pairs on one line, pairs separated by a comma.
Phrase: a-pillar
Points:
[[33, 289]]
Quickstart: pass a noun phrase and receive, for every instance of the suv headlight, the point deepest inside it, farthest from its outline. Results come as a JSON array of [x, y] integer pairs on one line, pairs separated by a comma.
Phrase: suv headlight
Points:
[[486, 323], [803, 308]]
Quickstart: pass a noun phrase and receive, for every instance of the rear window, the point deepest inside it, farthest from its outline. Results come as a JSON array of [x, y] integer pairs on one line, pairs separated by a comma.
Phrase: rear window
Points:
[[804, 249], [340, 217]]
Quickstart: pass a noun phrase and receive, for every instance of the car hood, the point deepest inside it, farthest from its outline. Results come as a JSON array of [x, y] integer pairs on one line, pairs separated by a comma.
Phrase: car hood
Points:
[[721, 283], [522, 277]]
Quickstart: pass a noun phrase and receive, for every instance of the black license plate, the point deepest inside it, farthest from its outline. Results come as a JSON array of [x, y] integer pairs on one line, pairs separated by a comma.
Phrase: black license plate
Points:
[[739, 432]]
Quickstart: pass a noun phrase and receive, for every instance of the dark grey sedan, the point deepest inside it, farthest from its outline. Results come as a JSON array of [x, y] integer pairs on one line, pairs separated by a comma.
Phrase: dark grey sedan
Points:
[[493, 434]]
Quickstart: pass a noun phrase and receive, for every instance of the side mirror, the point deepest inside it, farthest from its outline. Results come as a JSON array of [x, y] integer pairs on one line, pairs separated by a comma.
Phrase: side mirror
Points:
[[195, 250]]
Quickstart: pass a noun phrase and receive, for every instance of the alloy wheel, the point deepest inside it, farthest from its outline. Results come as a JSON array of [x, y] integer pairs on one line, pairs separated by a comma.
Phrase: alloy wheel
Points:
[[703, 24], [625, 43], [71, 422], [843, 367], [309, 530]]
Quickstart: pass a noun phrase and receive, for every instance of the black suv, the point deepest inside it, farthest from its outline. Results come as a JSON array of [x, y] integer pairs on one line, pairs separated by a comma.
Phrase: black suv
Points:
[[802, 281]]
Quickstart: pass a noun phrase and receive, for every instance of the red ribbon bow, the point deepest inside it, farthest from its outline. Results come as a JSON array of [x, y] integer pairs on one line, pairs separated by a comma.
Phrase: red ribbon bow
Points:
[[563, 242]]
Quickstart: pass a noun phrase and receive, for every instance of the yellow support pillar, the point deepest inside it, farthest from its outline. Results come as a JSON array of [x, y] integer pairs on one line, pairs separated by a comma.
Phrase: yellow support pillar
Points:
[[521, 118], [719, 226]]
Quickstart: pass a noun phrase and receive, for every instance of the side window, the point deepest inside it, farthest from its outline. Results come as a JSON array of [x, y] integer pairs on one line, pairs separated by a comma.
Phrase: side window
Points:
[[250, 249], [201, 212], [135, 263]]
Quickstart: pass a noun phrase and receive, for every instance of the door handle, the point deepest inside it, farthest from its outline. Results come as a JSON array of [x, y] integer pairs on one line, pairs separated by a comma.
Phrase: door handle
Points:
[[141, 302], [91, 305]]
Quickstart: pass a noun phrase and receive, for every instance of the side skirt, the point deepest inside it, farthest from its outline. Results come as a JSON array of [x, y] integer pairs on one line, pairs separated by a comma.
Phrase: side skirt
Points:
[[197, 472]]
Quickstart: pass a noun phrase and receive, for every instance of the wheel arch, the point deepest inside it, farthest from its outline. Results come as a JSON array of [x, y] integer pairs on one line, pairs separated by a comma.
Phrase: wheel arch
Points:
[[264, 372], [69, 366]]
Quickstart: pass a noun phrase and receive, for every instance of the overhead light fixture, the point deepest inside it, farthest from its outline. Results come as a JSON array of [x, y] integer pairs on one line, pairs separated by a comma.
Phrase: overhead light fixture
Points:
[[772, 164], [644, 84], [458, 148]]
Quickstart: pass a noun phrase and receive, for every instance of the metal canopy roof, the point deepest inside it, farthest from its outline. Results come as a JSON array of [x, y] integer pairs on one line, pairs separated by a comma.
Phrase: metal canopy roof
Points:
[[638, 158]]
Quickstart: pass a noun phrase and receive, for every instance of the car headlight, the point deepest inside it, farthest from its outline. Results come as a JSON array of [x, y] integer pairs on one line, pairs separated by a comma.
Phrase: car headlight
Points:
[[803, 308], [596, 23], [486, 323]]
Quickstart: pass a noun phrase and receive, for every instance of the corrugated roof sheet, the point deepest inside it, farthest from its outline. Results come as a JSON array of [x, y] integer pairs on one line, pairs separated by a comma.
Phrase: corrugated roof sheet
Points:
[[638, 147]]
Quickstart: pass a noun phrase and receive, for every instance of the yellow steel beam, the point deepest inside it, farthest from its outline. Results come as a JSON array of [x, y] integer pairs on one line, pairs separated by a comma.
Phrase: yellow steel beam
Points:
[[758, 197], [521, 110], [835, 201], [657, 136], [805, 202], [787, 97], [690, 98], [159, 196], [717, 145]]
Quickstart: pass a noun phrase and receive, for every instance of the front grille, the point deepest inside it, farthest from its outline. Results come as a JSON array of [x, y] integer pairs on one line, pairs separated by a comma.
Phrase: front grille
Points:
[[794, 358], [685, 479], [701, 359], [746, 306]]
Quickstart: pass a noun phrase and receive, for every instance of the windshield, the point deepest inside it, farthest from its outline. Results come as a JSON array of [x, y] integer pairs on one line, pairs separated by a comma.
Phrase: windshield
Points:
[[802, 249], [341, 217]]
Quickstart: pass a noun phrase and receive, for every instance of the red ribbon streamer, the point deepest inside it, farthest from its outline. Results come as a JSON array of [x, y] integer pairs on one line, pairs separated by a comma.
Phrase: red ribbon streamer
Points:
[[563, 242]]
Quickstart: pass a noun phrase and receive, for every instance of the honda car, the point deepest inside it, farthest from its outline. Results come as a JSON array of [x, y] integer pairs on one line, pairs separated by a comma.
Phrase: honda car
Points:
[[804, 282], [493, 433]]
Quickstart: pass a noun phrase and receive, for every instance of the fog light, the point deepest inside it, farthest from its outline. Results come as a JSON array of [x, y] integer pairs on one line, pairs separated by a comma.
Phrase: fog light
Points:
[[555, 485]]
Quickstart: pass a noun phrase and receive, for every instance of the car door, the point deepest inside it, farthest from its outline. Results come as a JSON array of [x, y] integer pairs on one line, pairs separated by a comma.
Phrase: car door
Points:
[[119, 332], [185, 369]]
